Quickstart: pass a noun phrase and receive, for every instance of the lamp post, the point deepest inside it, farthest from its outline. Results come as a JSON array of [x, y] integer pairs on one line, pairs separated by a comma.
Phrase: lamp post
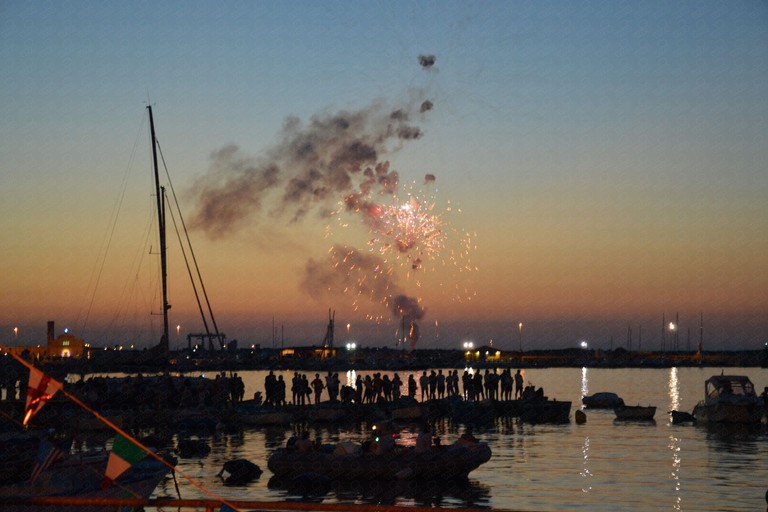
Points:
[[520, 335]]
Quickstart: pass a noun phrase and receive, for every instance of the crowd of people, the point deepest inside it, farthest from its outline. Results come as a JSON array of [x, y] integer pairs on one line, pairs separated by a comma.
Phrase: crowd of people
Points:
[[377, 387]]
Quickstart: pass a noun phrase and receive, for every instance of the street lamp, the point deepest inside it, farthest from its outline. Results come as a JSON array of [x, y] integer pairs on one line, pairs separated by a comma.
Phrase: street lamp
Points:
[[16, 333], [520, 335]]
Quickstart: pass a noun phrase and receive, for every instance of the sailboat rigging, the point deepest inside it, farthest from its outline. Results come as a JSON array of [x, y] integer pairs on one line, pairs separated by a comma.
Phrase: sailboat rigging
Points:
[[163, 347]]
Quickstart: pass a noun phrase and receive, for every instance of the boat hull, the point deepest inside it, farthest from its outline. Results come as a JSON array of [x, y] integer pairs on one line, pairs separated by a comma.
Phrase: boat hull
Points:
[[455, 461], [635, 413], [728, 413], [83, 478]]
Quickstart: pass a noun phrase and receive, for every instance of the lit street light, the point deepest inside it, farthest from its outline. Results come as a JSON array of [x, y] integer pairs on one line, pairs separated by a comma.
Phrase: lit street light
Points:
[[520, 335]]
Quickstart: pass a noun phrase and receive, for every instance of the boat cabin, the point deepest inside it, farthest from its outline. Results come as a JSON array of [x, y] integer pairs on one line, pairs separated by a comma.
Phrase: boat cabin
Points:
[[737, 385]]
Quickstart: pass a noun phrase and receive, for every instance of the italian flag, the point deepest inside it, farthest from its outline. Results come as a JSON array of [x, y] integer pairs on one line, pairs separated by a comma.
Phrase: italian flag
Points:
[[124, 454], [40, 389]]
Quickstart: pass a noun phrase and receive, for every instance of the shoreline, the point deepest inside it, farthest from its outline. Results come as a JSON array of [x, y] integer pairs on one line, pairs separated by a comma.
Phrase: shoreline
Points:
[[394, 360]]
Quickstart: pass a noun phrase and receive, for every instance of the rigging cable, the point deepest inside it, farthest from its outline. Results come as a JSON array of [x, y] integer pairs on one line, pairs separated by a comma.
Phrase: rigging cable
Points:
[[191, 251], [107, 241], [189, 271]]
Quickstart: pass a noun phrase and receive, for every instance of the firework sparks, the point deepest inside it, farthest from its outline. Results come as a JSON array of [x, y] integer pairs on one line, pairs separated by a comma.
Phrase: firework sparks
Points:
[[410, 228]]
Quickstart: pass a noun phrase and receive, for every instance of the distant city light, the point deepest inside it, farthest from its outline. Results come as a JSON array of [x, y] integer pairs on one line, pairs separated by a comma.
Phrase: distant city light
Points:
[[584, 344], [468, 345], [351, 346]]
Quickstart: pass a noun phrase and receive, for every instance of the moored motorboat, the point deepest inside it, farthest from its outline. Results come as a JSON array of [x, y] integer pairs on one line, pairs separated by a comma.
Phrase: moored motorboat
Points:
[[729, 399], [635, 412], [602, 400]]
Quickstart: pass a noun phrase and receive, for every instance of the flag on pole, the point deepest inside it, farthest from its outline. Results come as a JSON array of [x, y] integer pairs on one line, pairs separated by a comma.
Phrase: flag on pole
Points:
[[124, 454], [47, 454], [40, 389]]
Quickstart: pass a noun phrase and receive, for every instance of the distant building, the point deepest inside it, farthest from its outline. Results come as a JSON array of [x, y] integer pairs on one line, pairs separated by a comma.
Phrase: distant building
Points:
[[308, 353], [63, 346]]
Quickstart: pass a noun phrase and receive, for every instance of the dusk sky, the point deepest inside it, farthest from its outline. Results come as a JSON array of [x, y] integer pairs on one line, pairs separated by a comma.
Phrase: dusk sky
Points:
[[590, 167]]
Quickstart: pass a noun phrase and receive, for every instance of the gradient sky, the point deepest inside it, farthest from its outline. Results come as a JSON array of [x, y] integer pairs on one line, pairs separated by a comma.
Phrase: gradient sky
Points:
[[608, 159]]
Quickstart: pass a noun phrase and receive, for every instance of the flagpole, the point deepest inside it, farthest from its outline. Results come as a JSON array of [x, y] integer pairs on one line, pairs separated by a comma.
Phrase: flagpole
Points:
[[119, 430]]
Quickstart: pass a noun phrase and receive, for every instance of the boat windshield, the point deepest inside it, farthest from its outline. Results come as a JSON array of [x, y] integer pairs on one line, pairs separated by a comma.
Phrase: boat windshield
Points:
[[725, 385]]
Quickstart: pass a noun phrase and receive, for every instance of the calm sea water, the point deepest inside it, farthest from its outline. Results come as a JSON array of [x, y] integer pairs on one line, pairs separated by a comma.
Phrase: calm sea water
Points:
[[602, 465]]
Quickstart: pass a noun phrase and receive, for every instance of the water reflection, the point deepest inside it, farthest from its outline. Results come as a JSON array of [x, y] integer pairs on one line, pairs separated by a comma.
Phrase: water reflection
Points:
[[585, 472], [449, 494], [674, 441], [674, 390]]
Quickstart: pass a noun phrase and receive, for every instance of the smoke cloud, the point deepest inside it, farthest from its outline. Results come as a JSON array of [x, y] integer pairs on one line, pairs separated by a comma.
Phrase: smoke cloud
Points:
[[427, 61], [331, 157], [362, 275]]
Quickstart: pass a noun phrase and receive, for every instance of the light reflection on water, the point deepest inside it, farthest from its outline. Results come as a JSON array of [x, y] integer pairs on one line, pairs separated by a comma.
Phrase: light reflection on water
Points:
[[674, 441], [601, 465]]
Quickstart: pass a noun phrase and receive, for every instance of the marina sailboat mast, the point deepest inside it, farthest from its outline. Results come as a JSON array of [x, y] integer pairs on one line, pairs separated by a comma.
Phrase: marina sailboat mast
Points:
[[160, 194]]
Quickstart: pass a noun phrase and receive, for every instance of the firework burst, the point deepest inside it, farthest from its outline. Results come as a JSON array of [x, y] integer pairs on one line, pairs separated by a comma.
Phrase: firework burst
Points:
[[413, 235]]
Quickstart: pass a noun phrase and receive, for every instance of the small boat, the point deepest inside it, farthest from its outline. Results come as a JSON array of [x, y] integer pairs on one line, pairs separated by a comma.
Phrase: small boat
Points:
[[729, 399], [76, 475], [679, 417], [603, 400], [635, 412], [444, 462]]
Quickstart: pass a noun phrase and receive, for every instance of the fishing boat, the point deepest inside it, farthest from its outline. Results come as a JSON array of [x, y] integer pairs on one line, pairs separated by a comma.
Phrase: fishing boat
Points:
[[635, 412], [444, 462], [729, 399]]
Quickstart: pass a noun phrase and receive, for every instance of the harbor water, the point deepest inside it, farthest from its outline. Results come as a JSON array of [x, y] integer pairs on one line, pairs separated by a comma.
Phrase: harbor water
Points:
[[600, 465]]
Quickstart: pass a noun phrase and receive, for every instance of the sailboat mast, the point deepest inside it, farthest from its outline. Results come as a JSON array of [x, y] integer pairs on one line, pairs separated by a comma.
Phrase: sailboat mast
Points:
[[160, 194]]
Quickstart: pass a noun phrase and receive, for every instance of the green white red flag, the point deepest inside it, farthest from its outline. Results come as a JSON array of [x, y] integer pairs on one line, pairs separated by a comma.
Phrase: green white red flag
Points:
[[124, 454], [40, 389]]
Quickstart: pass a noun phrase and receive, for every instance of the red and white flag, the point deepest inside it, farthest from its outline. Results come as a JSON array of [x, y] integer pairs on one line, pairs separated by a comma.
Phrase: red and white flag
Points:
[[40, 389]]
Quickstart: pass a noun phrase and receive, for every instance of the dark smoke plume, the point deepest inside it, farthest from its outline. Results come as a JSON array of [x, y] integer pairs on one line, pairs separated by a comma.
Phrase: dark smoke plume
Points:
[[427, 61], [361, 274], [314, 165]]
